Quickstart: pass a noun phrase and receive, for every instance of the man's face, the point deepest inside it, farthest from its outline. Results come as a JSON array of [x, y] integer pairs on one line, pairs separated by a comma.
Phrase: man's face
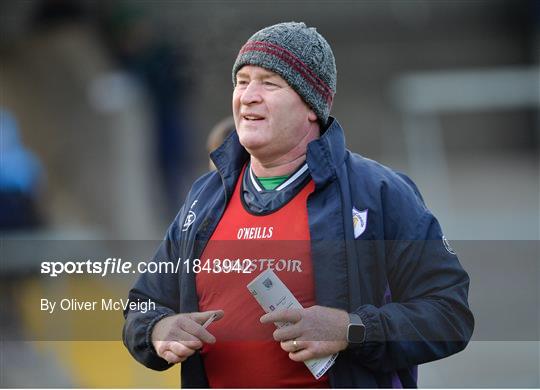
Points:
[[270, 117]]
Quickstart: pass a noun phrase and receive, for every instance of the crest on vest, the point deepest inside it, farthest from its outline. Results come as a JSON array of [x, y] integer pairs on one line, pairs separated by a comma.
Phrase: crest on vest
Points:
[[359, 221]]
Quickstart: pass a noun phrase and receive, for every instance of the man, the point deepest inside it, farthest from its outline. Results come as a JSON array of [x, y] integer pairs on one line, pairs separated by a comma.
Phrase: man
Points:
[[350, 238]]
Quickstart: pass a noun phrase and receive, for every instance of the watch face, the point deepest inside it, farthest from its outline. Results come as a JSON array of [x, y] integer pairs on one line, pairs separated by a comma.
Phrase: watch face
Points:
[[356, 333]]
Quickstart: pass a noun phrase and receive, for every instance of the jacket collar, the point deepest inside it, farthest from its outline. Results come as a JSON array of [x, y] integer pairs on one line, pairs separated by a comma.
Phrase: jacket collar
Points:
[[229, 160], [324, 155]]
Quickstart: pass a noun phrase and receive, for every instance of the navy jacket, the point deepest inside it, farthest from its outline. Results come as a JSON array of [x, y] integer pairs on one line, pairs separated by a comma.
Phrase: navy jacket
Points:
[[399, 275]]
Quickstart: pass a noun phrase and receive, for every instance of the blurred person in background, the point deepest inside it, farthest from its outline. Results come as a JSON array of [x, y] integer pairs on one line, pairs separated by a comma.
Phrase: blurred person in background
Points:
[[159, 65], [217, 135], [81, 109], [21, 178], [378, 282]]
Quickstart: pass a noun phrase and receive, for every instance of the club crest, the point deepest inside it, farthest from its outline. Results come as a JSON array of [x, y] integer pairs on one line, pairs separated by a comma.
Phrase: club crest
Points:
[[447, 246], [359, 221], [190, 218]]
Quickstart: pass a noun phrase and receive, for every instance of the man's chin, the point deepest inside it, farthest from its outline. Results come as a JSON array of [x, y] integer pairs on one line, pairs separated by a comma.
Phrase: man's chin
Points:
[[251, 141], [254, 147]]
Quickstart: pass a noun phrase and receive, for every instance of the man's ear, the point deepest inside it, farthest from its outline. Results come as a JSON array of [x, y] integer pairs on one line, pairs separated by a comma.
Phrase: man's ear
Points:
[[312, 116]]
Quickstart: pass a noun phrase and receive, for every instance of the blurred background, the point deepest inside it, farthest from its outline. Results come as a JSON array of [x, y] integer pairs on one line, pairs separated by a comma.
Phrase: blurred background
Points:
[[105, 110]]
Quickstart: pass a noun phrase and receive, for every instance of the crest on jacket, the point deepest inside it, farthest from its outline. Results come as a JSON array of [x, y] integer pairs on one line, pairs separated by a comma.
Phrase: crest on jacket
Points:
[[359, 219], [190, 217]]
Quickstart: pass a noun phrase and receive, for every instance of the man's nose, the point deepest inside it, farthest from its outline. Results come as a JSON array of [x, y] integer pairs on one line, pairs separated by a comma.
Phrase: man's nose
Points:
[[251, 94]]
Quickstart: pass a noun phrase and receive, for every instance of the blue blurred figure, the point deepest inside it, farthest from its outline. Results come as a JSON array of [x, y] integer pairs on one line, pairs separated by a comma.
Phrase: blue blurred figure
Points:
[[20, 177]]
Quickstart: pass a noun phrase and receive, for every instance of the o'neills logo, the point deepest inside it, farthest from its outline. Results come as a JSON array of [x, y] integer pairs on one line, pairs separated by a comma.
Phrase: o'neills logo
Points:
[[254, 233]]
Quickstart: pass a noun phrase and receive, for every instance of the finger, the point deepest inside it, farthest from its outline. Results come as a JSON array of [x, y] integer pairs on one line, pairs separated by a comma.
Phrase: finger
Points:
[[160, 347], [202, 317], [287, 315], [302, 355], [195, 329], [287, 333], [171, 357], [181, 350], [188, 340], [197, 344], [292, 345], [184, 336]]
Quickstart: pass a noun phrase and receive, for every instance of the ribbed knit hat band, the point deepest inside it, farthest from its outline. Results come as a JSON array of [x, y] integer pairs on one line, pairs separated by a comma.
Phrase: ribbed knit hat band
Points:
[[298, 54]]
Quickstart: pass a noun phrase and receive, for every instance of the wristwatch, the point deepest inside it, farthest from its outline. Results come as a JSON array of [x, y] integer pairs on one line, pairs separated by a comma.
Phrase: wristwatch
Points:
[[356, 331]]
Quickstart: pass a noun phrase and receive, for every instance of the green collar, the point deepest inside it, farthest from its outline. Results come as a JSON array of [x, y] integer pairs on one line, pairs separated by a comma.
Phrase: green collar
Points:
[[271, 183]]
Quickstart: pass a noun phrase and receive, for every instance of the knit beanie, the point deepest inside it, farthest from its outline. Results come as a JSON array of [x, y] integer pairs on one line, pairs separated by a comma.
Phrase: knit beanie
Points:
[[301, 56]]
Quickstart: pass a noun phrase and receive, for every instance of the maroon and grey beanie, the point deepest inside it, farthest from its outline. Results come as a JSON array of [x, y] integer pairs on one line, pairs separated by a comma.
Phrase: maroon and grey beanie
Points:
[[301, 56]]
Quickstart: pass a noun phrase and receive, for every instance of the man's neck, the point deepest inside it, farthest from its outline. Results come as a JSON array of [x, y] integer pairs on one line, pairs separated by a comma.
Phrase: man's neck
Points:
[[276, 168], [287, 163]]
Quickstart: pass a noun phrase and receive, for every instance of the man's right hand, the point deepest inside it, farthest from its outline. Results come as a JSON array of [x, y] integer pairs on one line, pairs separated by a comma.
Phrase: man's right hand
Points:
[[177, 337]]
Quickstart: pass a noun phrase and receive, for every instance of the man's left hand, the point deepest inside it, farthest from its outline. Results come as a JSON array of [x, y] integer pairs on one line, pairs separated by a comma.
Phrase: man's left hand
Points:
[[314, 332]]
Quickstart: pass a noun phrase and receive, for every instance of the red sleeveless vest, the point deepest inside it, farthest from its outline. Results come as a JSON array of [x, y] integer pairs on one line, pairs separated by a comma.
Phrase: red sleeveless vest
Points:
[[241, 247]]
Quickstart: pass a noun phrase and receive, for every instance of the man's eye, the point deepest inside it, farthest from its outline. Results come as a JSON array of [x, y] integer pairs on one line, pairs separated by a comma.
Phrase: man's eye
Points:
[[242, 82], [270, 84]]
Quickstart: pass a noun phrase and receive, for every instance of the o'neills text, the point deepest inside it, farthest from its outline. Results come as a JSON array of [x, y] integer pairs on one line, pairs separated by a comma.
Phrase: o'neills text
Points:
[[253, 233]]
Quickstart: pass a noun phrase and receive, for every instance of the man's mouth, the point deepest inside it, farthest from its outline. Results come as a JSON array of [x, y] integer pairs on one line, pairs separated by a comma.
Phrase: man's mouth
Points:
[[252, 117]]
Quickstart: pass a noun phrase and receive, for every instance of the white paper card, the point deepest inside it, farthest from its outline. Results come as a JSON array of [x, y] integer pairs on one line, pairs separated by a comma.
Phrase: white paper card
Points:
[[272, 294]]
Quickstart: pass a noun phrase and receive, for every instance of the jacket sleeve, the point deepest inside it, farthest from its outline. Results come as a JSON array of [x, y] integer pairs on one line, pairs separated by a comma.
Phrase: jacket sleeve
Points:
[[428, 317], [163, 290]]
